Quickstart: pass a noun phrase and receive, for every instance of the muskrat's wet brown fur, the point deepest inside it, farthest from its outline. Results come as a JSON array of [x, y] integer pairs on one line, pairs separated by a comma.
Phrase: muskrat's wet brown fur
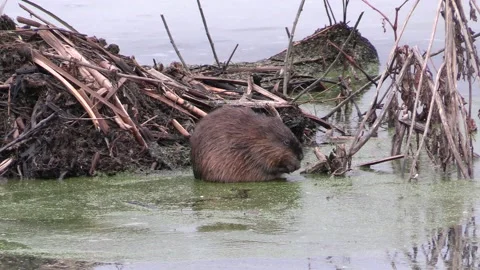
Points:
[[234, 144]]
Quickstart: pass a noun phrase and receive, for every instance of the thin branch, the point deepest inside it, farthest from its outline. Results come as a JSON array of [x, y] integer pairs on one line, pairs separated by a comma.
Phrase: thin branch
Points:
[[420, 82], [208, 33], [427, 123], [443, 118], [173, 43], [230, 58], [345, 8], [27, 134], [52, 15], [286, 69], [353, 147], [328, 12], [379, 12], [331, 11], [288, 32]]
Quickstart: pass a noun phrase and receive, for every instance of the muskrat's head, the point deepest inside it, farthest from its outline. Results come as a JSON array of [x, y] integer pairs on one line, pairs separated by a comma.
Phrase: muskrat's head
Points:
[[281, 149]]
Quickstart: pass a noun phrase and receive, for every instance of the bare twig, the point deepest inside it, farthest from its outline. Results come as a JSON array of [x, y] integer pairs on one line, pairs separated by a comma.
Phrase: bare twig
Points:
[[427, 123], [354, 147], [36, 15], [345, 8], [173, 44], [327, 11], [2, 7], [359, 142], [230, 58], [474, 3], [287, 67], [288, 32], [381, 14], [330, 10], [443, 117], [27, 134], [378, 161], [52, 15], [420, 82], [212, 45]]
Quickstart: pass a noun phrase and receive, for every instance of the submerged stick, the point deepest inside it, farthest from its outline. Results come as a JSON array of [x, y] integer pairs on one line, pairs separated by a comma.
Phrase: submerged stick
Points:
[[378, 161], [212, 45], [286, 70], [173, 43]]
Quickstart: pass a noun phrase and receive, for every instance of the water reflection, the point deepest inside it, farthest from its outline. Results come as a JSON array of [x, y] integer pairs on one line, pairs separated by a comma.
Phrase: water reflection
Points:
[[362, 221], [454, 247], [259, 207]]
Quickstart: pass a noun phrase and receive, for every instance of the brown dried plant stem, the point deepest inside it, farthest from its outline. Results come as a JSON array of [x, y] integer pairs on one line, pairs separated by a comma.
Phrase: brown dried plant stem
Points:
[[173, 43], [460, 130], [445, 123], [427, 123], [474, 3], [360, 141], [357, 143], [212, 45], [287, 66], [419, 87]]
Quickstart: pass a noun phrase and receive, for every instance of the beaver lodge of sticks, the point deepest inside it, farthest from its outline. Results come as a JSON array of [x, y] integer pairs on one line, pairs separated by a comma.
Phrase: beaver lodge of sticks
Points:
[[72, 105]]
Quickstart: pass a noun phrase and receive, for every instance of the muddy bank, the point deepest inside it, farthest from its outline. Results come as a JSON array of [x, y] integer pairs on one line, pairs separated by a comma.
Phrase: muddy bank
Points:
[[72, 105]]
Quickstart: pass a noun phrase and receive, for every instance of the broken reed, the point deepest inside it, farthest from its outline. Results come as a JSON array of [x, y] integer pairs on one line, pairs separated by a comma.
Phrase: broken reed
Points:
[[425, 100]]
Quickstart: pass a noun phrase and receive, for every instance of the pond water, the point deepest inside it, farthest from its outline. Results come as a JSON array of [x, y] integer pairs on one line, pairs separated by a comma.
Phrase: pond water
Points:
[[372, 219]]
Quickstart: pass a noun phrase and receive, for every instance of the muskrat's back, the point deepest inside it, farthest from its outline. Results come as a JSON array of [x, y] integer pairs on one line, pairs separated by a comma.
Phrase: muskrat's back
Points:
[[234, 144]]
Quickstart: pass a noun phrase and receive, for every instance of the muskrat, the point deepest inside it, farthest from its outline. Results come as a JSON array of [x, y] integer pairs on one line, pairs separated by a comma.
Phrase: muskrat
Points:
[[235, 144]]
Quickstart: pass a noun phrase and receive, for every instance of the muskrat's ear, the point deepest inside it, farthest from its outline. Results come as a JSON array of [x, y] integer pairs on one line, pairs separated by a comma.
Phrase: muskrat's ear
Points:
[[287, 142]]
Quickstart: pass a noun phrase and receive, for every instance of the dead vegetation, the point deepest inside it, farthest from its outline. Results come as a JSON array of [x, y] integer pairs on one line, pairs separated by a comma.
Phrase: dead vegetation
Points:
[[423, 102], [73, 106]]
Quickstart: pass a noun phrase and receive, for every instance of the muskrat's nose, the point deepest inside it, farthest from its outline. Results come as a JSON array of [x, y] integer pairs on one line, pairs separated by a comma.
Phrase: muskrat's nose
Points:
[[297, 166], [293, 166]]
